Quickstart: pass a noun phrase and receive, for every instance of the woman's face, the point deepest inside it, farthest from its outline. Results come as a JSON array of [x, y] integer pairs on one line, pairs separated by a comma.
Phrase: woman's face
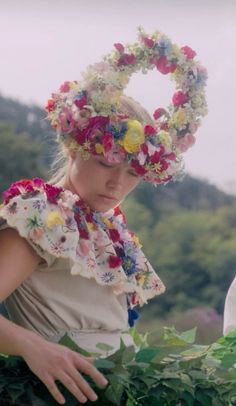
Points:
[[100, 184]]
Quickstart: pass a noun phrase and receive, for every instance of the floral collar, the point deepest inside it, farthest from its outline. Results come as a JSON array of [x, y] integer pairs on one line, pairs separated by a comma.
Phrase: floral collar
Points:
[[99, 245]]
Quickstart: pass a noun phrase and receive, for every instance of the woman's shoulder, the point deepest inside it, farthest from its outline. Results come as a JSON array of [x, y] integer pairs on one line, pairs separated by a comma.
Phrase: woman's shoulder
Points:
[[43, 214]]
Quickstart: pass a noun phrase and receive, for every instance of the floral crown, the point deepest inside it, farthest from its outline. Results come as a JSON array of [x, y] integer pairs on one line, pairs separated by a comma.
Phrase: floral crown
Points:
[[88, 115]]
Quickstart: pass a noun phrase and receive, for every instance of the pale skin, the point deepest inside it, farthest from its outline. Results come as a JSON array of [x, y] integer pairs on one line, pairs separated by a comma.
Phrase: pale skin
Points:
[[102, 186]]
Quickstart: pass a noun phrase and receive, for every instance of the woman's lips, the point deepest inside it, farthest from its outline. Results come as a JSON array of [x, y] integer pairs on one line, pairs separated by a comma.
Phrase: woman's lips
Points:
[[106, 197]]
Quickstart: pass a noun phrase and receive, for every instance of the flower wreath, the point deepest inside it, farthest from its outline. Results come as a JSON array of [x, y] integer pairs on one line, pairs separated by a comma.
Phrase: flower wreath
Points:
[[87, 116]]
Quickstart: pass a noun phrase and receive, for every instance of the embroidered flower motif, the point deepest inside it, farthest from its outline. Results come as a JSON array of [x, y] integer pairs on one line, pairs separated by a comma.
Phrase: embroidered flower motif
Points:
[[54, 219]]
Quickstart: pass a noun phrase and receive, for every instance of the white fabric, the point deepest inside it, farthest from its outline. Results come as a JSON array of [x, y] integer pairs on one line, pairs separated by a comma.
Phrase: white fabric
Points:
[[230, 308]]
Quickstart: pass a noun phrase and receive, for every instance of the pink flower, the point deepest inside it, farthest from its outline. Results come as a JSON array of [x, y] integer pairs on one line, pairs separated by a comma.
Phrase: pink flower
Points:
[[65, 87], [114, 261], [52, 192], [149, 130], [179, 98], [83, 247], [184, 143], [148, 42], [36, 233], [114, 235], [119, 47], [164, 66], [158, 113], [65, 120], [188, 52]]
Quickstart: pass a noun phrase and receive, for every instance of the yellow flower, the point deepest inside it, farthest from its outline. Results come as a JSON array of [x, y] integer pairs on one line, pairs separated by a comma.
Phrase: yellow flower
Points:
[[141, 280], [136, 241], [90, 226], [53, 219], [179, 118], [133, 137], [99, 148], [107, 222], [164, 138]]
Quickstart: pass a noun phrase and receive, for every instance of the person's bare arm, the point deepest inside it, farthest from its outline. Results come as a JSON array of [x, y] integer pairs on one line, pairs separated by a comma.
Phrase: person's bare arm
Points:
[[49, 361]]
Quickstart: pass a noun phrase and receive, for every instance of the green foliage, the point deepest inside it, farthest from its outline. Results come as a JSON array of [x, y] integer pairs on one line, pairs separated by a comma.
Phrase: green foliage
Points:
[[19, 157], [193, 251], [176, 372]]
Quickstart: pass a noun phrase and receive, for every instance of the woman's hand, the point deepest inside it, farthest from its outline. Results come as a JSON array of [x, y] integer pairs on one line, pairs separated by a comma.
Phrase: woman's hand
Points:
[[51, 362]]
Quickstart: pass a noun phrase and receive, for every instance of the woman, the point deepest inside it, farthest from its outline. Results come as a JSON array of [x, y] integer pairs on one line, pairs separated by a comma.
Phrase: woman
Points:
[[69, 264]]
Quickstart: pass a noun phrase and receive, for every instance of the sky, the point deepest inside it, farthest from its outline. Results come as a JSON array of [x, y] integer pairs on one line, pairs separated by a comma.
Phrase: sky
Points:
[[45, 42]]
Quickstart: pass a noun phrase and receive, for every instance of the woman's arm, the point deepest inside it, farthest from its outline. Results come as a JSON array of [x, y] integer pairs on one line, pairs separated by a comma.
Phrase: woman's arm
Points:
[[49, 361]]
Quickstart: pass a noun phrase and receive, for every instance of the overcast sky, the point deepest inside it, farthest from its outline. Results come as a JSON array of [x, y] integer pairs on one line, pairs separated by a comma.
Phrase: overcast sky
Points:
[[43, 43]]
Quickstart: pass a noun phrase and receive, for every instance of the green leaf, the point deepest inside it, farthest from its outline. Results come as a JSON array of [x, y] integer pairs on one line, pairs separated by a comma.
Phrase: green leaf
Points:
[[128, 355], [102, 363], [228, 360], [68, 342], [104, 347], [146, 355]]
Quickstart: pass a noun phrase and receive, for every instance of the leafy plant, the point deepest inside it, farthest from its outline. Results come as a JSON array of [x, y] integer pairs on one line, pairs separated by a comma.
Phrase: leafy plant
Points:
[[176, 372]]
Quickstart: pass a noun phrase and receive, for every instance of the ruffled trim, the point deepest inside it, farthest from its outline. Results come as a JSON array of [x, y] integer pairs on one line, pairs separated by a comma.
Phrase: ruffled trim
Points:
[[56, 222]]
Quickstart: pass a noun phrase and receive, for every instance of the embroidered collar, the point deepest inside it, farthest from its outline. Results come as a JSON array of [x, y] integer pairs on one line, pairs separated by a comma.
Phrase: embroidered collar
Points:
[[99, 245]]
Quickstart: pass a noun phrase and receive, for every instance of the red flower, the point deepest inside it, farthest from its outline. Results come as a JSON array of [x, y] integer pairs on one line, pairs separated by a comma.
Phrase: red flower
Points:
[[52, 192], [164, 66], [179, 98], [188, 52], [149, 130], [119, 47], [138, 168], [148, 42], [171, 156], [95, 123], [164, 126], [50, 105], [17, 188], [126, 59], [89, 217], [144, 148], [80, 103], [114, 235], [83, 233], [155, 158], [114, 261], [107, 142], [158, 113]]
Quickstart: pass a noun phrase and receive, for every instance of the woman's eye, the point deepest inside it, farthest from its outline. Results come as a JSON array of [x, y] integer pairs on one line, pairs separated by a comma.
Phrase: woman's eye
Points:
[[134, 174], [105, 165]]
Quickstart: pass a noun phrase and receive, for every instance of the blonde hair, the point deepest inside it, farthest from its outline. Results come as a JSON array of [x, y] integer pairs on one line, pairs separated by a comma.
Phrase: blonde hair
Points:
[[128, 106]]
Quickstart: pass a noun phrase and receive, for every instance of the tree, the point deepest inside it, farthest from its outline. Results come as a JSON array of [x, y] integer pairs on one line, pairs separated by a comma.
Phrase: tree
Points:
[[19, 157]]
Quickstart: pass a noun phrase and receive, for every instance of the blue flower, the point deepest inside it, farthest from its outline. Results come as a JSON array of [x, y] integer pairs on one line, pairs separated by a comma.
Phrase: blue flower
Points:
[[132, 317], [129, 265]]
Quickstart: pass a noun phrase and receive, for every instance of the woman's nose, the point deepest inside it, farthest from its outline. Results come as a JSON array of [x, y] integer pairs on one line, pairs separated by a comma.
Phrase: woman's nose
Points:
[[116, 179]]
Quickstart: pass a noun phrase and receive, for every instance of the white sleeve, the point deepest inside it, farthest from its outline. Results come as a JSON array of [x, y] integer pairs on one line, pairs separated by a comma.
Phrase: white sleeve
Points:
[[230, 309]]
